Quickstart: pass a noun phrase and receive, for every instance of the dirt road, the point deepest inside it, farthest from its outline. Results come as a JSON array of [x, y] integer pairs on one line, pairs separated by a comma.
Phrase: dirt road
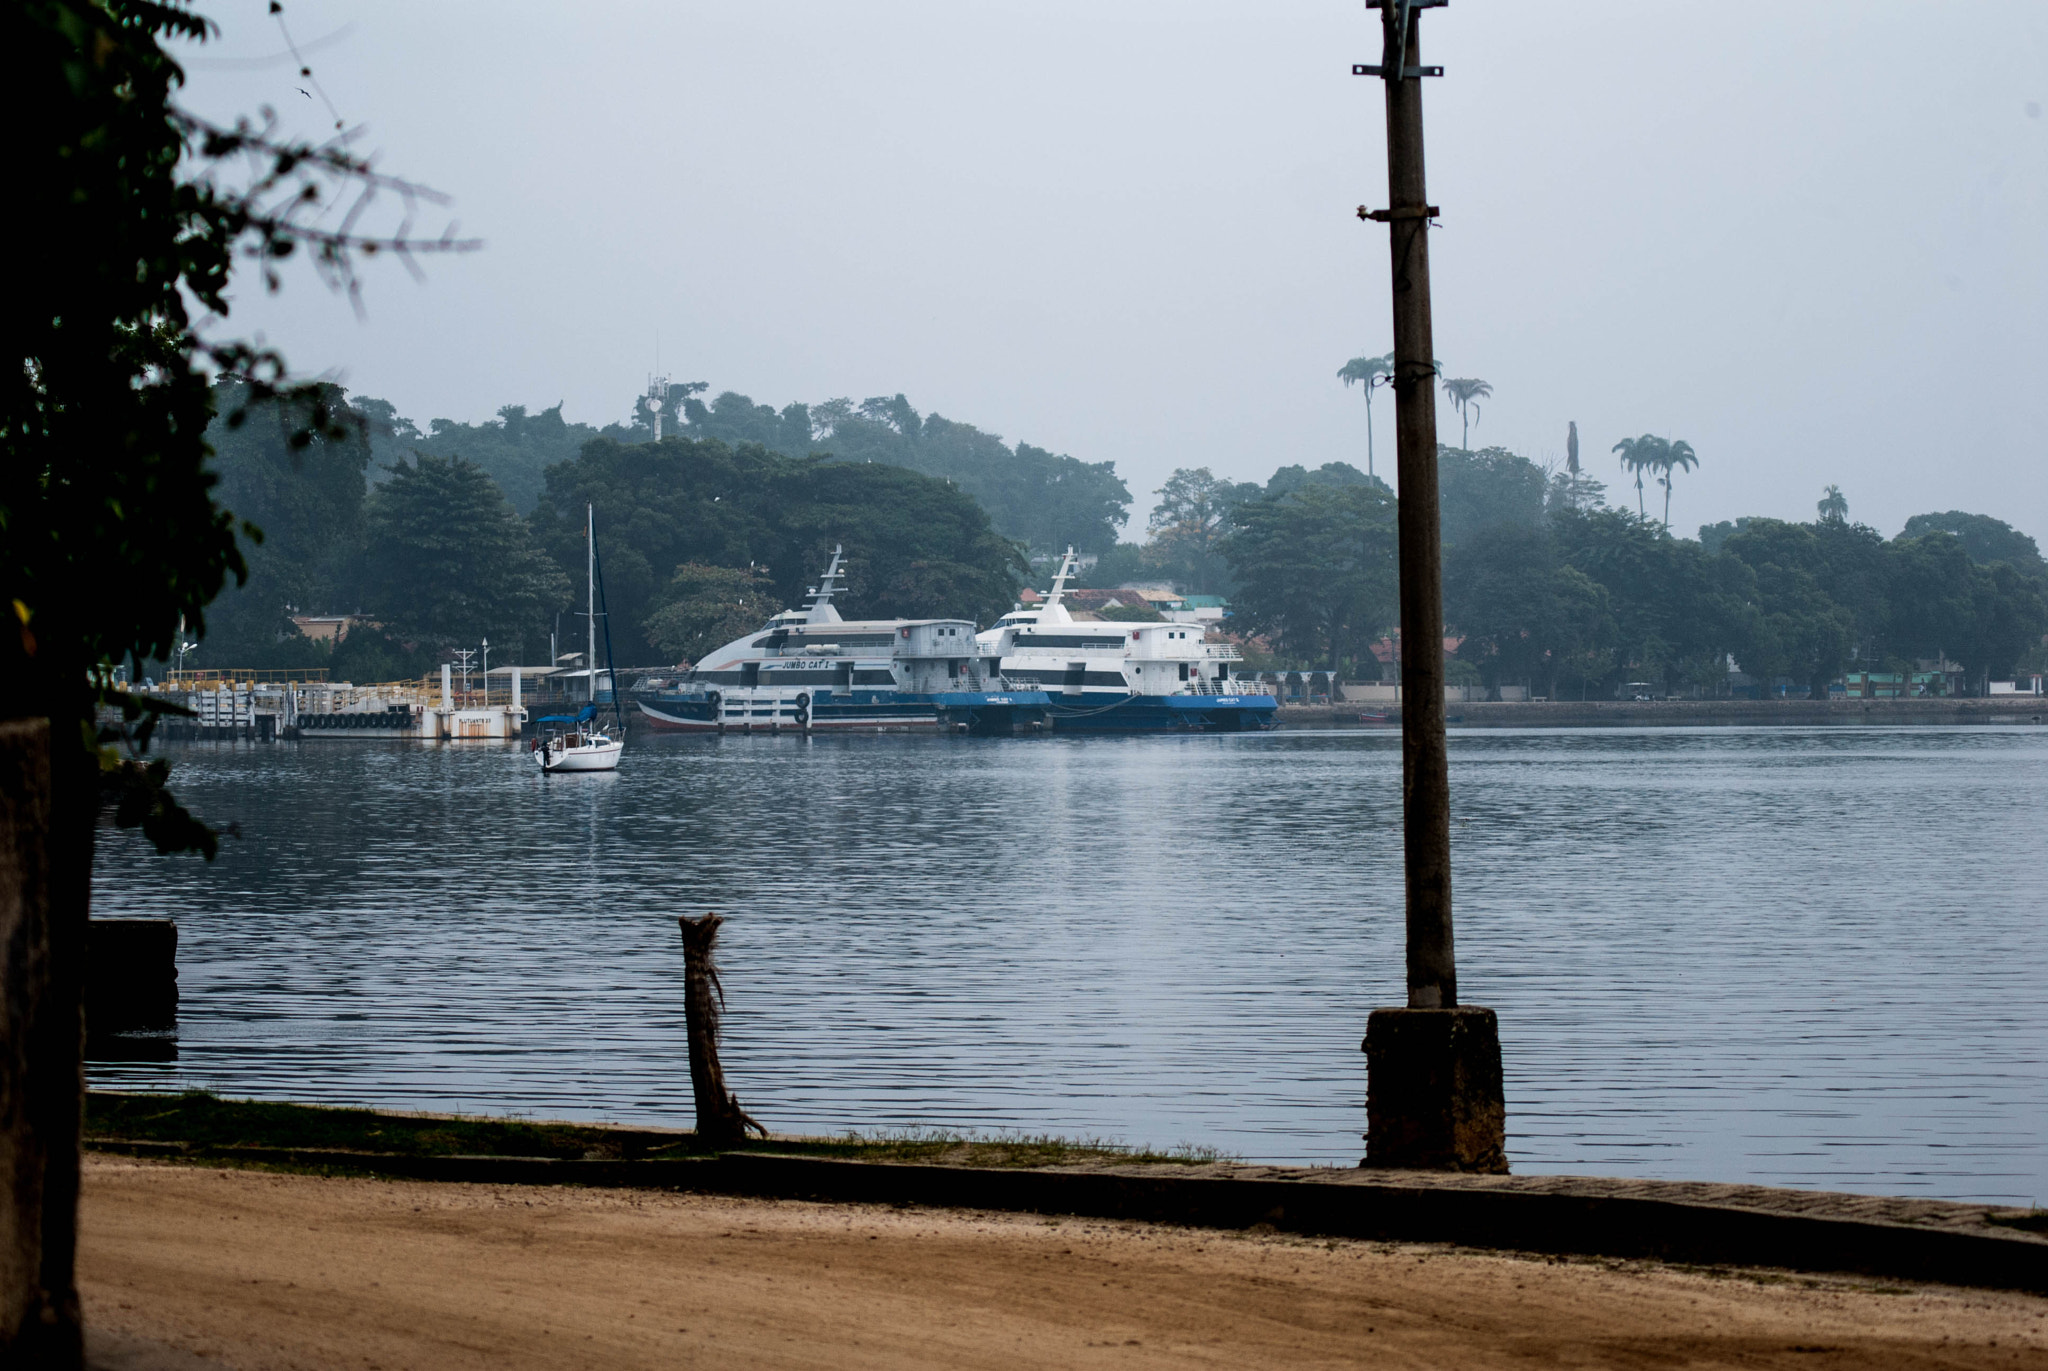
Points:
[[260, 1270]]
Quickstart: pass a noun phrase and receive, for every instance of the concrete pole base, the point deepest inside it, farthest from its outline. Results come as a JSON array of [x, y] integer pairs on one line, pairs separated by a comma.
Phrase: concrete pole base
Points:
[[1433, 1090]]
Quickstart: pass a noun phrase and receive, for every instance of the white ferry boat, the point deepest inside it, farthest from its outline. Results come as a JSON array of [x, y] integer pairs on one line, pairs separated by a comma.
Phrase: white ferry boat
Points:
[[811, 669], [1121, 677]]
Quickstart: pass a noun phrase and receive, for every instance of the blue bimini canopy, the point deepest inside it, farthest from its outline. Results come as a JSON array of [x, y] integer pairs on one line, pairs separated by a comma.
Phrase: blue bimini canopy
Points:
[[557, 719]]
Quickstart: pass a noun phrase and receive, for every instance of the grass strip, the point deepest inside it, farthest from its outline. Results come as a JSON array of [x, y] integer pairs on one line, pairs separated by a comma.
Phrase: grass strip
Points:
[[200, 1119]]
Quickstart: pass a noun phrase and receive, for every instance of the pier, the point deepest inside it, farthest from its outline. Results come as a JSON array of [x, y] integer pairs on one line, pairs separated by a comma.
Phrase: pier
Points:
[[264, 706]]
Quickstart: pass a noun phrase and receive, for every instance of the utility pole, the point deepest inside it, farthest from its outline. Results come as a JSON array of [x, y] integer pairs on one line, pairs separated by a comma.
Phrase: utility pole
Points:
[[1434, 1096]]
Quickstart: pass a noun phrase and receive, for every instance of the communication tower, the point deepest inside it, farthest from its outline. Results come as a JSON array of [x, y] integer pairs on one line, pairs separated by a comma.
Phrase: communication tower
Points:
[[657, 402]]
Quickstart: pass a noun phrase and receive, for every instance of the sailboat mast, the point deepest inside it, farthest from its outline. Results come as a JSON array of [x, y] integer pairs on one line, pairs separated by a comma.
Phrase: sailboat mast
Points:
[[590, 595]]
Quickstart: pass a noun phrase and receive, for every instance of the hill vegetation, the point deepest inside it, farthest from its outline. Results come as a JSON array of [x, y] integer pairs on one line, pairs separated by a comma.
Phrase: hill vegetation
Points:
[[1040, 499], [468, 530]]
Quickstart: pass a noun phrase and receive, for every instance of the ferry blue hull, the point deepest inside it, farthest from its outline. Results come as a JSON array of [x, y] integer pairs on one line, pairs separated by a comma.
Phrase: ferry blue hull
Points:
[[1164, 714], [975, 712], [980, 712]]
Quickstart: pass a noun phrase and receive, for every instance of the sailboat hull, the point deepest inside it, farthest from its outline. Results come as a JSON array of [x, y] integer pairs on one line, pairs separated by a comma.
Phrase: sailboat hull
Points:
[[603, 757]]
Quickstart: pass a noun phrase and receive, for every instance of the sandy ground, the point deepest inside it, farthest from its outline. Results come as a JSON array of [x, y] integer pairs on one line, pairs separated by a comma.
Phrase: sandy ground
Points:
[[251, 1269]]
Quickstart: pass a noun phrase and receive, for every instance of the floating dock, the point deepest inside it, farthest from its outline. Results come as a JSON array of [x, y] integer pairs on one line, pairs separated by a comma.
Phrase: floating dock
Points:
[[228, 709]]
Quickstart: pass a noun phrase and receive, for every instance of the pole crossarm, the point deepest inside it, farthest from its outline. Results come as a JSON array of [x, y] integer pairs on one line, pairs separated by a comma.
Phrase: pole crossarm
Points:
[[1395, 63], [1363, 69]]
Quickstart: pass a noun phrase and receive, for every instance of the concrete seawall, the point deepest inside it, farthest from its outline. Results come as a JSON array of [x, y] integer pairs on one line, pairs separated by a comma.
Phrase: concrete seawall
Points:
[[2009, 709]]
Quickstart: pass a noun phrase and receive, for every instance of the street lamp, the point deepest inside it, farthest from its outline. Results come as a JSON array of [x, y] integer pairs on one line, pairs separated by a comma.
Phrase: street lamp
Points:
[[487, 673]]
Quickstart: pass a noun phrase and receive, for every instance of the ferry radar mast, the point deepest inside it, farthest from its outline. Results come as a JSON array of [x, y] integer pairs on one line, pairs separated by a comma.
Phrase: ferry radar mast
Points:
[[821, 611], [1054, 611]]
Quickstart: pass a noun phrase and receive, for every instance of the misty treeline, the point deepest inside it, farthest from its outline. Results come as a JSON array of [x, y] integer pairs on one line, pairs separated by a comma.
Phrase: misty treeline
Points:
[[1547, 587], [1038, 498], [700, 540], [718, 526]]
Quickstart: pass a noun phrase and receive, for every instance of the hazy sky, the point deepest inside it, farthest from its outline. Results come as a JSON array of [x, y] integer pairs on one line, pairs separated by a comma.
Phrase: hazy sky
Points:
[[1811, 239]]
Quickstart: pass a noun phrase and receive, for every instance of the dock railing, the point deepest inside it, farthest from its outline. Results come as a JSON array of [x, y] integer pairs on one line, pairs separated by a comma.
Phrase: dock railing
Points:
[[211, 678]]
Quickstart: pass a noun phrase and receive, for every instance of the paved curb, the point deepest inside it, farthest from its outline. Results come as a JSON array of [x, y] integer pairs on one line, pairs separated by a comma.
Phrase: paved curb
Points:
[[1950, 1244]]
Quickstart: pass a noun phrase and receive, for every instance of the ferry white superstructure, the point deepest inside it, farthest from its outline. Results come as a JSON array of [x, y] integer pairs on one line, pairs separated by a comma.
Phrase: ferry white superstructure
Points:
[[812, 669], [1109, 675]]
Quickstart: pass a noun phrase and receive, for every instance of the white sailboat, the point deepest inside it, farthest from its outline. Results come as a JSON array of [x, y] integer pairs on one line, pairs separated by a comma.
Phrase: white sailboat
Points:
[[583, 745]]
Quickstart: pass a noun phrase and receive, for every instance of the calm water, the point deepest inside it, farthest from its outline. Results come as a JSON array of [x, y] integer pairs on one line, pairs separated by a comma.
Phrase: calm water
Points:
[[1803, 957]]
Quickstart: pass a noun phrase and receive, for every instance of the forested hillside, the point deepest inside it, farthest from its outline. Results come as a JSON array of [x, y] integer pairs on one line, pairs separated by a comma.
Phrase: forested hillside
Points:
[[437, 558], [515, 449], [720, 525], [1041, 499], [1550, 588], [915, 546]]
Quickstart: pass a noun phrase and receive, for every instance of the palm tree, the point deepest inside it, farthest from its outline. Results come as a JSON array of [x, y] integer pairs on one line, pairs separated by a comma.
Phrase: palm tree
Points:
[[1367, 372], [1640, 455], [1674, 457], [1834, 507], [1465, 393]]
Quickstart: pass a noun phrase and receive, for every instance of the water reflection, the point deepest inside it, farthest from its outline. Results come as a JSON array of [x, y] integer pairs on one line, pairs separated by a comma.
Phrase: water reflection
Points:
[[1799, 957]]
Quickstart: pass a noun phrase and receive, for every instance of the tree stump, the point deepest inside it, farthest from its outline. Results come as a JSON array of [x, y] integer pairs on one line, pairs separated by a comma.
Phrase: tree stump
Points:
[[720, 1120]]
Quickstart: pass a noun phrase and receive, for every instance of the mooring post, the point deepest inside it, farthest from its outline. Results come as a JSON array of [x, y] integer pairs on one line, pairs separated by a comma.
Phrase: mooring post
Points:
[[1434, 1096], [720, 1120]]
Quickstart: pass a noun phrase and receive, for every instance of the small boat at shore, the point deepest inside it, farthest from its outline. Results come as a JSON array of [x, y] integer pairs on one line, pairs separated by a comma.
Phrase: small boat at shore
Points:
[[1377, 719]]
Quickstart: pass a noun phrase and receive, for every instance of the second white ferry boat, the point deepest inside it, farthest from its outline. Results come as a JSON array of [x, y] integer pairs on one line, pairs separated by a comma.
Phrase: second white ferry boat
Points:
[[1107, 676]]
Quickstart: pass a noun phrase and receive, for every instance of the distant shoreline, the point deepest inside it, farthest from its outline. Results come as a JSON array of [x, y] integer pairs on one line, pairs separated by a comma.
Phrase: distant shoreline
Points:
[[2012, 709]]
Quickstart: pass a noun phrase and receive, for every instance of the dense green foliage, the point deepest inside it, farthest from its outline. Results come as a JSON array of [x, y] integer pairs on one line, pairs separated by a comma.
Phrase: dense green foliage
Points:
[[1985, 539], [915, 546], [111, 534], [112, 540], [308, 502], [1525, 613], [1486, 489], [1550, 589], [1041, 499], [1195, 515], [516, 448], [434, 554], [705, 607], [1591, 599], [449, 563], [1316, 569]]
